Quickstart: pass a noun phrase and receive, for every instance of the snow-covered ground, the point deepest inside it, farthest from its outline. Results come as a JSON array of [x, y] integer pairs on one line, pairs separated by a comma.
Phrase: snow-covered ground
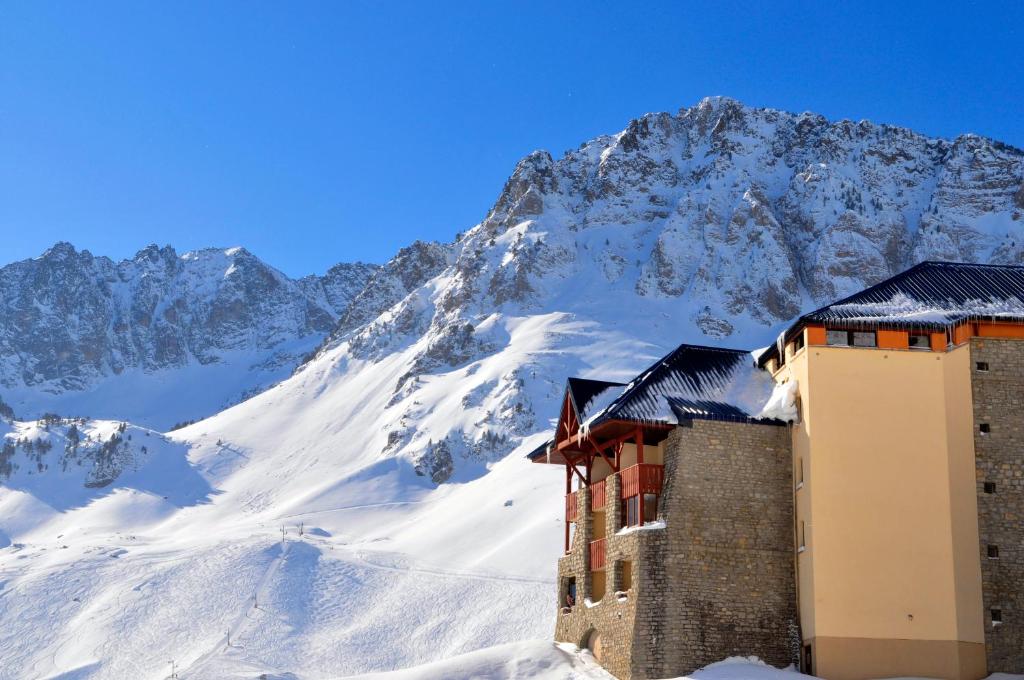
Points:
[[545, 660], [301, 534], [275, 538]]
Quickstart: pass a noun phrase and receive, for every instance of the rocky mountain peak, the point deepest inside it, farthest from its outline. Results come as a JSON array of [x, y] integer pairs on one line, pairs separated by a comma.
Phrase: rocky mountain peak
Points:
[[717, 224], [71, 323]]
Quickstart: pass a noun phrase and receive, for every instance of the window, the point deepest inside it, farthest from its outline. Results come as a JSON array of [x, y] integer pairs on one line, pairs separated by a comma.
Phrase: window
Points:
[[919, 341], [631, 511], [993, 552], [568, 593], [864, 339], [626, 575], [990, 487], [982, 366], [803, 536], [808, 660], [837, 338], [799, 472], [850, 338], [997, 617], [798, 342], [984, 428], [650, 507], [632, 506]]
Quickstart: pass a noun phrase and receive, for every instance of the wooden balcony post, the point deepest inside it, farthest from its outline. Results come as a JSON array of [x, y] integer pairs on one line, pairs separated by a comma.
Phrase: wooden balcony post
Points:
[[568, 490], [640, 462]]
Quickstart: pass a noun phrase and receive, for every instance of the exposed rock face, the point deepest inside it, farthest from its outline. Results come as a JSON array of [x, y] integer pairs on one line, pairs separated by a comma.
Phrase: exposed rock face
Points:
[[720, 220], [412, 267], [69, 319], [717, 224], [337, 288]]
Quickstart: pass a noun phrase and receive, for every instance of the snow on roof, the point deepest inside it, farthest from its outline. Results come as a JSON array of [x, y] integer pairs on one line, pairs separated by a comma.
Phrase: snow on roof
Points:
[[928, 296], [691, 382], [590, 397], [933, 294], [694, 382]]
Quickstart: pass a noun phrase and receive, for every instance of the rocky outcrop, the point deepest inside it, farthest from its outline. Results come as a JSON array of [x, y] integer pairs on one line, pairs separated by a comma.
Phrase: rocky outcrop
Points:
[[336, 289], [69, 319], [719, 219], [716, 224]]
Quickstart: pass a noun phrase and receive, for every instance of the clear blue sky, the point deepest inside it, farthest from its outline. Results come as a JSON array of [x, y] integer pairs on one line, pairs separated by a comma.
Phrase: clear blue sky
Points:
[[318, 132]]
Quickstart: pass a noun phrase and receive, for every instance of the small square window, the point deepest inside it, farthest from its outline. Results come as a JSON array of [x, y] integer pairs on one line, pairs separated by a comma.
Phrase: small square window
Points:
[[919, 341], [997, 616], [993, 552], [984, 428], [864, 339], [982, 366], [837, 338], [990, 487]]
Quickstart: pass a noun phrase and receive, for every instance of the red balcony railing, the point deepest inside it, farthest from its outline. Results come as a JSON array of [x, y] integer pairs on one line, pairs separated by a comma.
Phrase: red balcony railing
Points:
[[571, 507], [642, 478], [598, 496], [598, 553]]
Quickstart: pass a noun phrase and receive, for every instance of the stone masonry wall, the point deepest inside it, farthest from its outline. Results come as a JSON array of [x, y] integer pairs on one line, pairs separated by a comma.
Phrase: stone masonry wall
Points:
[[716, 580], [611, 617], [722, 578], [998, 396]]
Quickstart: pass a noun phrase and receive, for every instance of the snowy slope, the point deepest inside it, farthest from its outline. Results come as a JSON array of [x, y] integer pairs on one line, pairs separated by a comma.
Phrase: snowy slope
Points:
[[397, 448]]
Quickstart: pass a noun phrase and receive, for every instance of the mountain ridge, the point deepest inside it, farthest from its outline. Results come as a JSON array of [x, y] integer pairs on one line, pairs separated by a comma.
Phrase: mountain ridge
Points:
[[372, 509], [74, 322]]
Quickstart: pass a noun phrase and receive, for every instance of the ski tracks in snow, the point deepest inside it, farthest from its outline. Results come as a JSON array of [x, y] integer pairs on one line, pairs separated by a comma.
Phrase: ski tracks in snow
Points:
[[251, 605]]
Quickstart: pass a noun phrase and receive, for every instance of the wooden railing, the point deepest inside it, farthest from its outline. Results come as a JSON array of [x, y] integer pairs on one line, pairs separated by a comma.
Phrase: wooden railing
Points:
[[598, 553], [642, 478], [571, 507], [598, 496]]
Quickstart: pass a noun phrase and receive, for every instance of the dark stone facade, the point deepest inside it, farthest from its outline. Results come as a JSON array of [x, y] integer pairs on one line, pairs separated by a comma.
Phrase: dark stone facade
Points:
[[998, 396], [717, 580]]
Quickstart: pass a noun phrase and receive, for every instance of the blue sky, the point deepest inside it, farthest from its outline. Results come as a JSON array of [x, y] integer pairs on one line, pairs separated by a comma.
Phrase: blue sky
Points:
[[318, 132]]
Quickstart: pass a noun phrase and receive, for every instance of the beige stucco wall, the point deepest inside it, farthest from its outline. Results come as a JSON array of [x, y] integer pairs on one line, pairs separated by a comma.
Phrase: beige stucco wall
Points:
[[888, 500]]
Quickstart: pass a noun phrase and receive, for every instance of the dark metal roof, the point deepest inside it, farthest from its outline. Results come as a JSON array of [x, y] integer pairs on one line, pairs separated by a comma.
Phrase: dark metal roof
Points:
[[928, 296], [933, 293], [584, 392], [540, 450], [691, 380]]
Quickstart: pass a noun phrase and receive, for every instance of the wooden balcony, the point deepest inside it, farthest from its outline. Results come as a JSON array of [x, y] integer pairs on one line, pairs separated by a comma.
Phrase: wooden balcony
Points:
[[641, 479], [571, 508], [598, 554], [598, 496]]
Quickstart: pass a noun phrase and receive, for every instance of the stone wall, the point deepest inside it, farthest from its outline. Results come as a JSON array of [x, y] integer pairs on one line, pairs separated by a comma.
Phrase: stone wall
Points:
[[998, 396], [613, 616], [716, 580], [722, 581]]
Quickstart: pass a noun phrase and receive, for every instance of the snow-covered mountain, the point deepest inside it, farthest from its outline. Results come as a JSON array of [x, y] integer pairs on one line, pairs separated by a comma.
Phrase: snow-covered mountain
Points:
[[396, 447], [159, 338], [716, 225]]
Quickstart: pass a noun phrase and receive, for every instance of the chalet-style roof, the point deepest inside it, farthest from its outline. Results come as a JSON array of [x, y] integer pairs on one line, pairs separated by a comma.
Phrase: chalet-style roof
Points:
[[691, 382], [690, 378], [928, 296], [590, 396]]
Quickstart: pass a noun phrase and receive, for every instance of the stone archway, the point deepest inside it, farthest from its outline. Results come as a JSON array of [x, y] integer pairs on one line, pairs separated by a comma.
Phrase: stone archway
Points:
[[592, 642]]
